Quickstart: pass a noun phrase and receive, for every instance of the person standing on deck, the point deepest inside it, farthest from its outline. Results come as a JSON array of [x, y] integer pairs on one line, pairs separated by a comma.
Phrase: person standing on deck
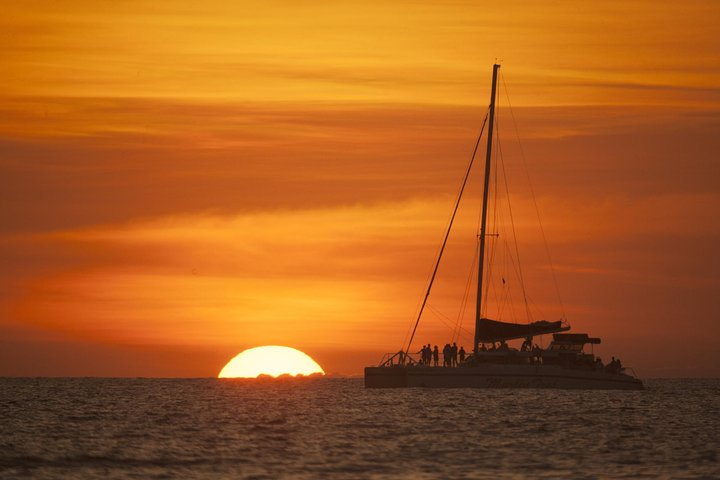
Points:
[[462, 354], [454, 354], [436, 355]]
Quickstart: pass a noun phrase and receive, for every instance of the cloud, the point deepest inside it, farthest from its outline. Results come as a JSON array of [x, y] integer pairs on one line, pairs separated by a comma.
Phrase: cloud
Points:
[[217, 279], [335, 276], [359, 51], [228, 158]]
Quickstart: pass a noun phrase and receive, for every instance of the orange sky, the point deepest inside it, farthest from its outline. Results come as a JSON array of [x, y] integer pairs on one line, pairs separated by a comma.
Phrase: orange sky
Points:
[[182, 180]]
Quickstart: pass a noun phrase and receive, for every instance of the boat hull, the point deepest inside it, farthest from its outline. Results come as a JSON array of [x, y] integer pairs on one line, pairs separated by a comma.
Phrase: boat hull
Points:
[[497, 376]]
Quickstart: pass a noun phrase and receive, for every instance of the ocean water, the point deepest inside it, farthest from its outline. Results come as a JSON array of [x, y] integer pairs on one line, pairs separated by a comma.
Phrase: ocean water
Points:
[[335, 428]]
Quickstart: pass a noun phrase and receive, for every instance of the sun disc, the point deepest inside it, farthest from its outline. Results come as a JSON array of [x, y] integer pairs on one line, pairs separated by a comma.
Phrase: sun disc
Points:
[[273, 360]]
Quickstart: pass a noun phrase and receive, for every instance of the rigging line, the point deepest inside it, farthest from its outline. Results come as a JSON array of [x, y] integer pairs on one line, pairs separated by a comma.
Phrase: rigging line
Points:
[[495, 246], [532, 192], [466, 296], [513, 315], [510, 261], [417, 308], [444, 318], [539, 312], [507, 293], [447, 233], [511, 275], [428, 282], [491, 284], [431, 272], [499, 287], [502, 303], [512, 224], [419, 302], [474, 266], [463, 302], [515, 266], [509, 269], [500, 251], [496, 269]]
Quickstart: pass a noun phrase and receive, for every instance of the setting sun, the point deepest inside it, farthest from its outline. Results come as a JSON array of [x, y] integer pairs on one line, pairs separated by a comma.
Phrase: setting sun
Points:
[[270, 360]]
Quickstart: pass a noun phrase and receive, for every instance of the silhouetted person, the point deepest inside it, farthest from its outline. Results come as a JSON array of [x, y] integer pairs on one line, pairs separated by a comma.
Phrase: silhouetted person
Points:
[[526, 345], [401, 357], [454, 354], [504, 346], [446, 355], [436, 355], [483, 348], [462, 354], [537, 354], [610, 367]]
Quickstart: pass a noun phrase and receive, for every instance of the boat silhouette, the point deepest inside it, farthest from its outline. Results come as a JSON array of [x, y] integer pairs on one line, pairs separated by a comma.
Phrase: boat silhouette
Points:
[[563, 364]]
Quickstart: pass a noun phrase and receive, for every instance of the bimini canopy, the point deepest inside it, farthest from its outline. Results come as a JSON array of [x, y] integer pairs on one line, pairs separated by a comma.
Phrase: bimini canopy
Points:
[[495, 331]]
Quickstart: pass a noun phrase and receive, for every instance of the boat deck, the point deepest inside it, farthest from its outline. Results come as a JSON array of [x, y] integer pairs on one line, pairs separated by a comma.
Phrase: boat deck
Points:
[[497, 376]]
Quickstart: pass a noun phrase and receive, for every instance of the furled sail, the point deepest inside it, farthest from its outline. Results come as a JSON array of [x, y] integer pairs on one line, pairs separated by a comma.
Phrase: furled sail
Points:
[[496, 331]]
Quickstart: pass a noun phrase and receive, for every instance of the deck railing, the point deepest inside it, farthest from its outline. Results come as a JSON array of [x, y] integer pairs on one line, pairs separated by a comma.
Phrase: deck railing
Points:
[[398, 358]]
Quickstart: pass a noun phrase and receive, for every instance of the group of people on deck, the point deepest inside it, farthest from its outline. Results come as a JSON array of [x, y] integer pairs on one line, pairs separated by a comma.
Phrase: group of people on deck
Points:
[[452, 356], [615, 366]]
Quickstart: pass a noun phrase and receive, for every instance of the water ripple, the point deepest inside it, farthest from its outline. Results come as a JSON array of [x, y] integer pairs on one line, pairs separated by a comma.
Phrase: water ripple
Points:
[[334, 428]]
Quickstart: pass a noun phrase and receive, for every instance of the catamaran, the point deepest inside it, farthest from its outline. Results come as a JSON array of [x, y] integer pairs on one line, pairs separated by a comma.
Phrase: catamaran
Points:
[[565, 363]]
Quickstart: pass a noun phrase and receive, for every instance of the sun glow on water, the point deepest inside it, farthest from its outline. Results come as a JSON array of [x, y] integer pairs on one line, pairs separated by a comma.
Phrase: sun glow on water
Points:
[[270, 360]]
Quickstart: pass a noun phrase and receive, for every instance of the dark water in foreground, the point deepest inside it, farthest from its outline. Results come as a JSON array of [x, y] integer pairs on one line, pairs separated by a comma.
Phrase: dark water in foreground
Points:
[[334, 428]]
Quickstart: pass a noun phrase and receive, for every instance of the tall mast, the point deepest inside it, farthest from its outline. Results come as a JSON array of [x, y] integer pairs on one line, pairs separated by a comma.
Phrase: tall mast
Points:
[[483, 224]]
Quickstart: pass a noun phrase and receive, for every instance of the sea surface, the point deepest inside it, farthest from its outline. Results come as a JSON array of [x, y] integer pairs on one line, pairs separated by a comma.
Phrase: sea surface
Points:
[[335, 428]]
